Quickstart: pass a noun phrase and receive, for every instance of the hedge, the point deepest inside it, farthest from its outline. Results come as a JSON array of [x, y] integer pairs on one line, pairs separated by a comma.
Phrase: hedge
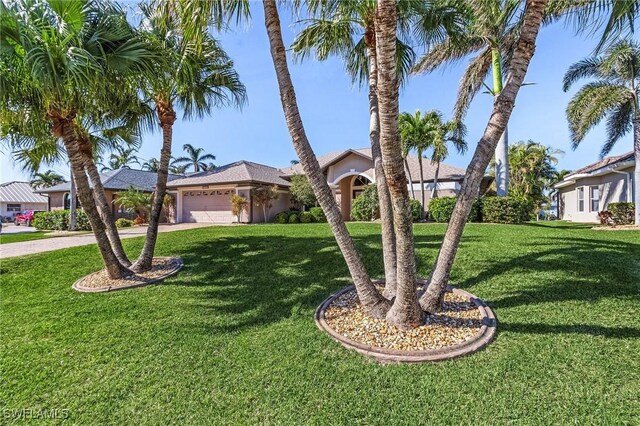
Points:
[[124, 223], [506, 210], [622, 213], [416, 209], [484, 209], [58, 220], [365, 207], [318, 214]]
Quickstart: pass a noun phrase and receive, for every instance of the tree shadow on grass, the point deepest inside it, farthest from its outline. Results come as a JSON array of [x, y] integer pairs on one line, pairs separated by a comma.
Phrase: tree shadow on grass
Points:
[[565, 269], [249, 281], [590, 329]]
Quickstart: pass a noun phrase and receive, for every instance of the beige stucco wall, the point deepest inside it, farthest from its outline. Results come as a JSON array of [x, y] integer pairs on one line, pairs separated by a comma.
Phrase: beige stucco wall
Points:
[[281, 204], [23, 206], [613, 187], [351, 164]]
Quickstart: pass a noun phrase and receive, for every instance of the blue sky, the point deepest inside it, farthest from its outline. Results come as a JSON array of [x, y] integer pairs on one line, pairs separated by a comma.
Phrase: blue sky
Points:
[[335, 112]]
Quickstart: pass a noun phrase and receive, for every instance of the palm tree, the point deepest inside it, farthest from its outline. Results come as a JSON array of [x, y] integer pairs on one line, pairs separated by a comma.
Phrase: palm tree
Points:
[[414, 134], [152, 165], [122, 159], [441, 134], [490, 31], [614, 95], [46, 179], [371, 299], [177, 169], [405, 311], [532, 168], [405, 147], [347, 29], [196, 75], [62, 60], [195, 158], [431, 300]]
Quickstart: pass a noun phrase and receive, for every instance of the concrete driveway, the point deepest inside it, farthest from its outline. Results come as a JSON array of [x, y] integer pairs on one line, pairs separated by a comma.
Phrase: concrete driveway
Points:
[[57, 243], [10, 228]]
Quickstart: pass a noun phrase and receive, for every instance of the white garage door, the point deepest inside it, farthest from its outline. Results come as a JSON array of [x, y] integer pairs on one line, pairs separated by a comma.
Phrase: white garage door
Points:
[[207, 206]]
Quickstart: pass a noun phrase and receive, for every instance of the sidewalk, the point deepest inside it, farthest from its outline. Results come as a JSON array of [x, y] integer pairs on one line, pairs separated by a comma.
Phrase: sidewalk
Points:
[[57, 243]]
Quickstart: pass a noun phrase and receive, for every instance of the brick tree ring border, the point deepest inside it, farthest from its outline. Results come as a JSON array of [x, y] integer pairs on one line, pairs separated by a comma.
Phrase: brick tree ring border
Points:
[[79, 287], [479, 341]]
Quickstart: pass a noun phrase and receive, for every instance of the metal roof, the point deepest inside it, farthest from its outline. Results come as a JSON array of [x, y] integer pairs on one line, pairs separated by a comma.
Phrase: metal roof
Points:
[[19, 192]]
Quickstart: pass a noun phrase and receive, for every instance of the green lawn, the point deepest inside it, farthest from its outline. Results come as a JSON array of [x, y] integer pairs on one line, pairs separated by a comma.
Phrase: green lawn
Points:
[[27, 236], [231, 338], [37, 235]]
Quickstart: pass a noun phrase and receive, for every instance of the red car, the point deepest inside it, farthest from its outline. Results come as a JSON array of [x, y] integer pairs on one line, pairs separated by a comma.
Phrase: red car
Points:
[[26, 217]]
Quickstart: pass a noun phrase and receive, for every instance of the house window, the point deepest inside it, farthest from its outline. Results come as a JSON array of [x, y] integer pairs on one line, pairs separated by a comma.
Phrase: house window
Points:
[[580, 199], [594, 196], [14, 208]]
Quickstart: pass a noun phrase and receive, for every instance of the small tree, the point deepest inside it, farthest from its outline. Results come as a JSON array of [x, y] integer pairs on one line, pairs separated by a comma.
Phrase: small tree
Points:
[[263, 196], [134, 201], [301, 191], [238, 205]]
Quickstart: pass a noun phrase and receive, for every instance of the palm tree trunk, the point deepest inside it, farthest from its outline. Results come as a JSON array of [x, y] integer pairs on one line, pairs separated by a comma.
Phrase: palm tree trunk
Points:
[[104, 207], [434, 193], [69, 137], [405, 312], [371, 299], [502, 149], [431, 300], [73, 223], [636, 173], [386, 209], [421, 185], [167, 117], [406, 166]]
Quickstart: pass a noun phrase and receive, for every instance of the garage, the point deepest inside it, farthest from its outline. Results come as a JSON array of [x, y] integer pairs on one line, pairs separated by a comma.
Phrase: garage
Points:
[[213, 206]]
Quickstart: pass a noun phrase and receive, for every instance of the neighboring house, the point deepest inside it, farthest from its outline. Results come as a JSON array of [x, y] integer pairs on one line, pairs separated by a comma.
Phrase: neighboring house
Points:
[[589, 190], [114, 181], [205, 196], [16, 197]]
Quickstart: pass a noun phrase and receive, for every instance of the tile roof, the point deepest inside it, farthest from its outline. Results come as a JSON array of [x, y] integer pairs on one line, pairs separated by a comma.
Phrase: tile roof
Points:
[[608, 161], [240, 171], [120, 179], [446, 172], [19, 192]]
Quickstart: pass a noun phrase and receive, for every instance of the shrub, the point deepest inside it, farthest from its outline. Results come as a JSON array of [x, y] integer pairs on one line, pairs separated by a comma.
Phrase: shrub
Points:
[[294, 218], [506, 210], [238, 206], [365, 206], [441, 208], [124, 223], [606, 218], [281, 218], [475, 215], [306, 217], [139, 220], [318, 214], [58, 220], [622, 213], [416, 209]]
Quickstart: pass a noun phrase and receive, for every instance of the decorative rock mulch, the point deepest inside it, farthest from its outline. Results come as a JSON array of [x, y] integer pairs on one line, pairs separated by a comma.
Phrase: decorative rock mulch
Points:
[[465, 325], [162, 267]]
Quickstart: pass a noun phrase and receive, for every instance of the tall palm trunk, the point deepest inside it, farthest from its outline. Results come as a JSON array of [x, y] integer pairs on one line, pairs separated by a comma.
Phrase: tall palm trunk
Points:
[[64, 128], [405, 312], [502, 149], [422, 209], [434, 193], [406, 167], [431, 300], [386, 209], [167, 117], [104, 207], [73, 222], [369, 296], [636, 173]]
